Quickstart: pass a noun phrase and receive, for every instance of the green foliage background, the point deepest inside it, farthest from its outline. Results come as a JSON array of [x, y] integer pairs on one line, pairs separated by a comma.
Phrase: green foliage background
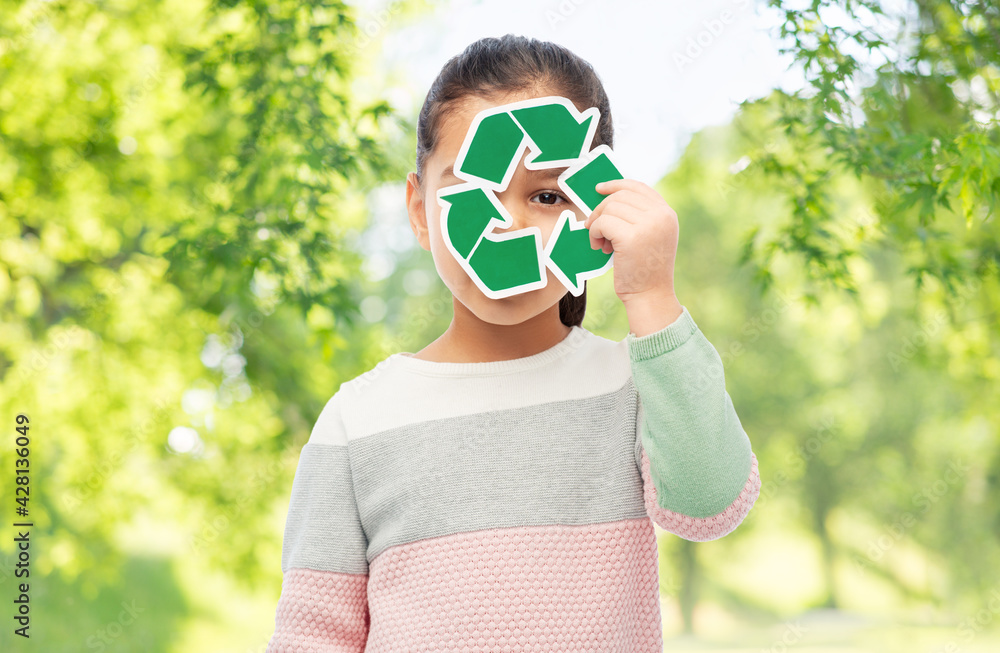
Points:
[[184, 189]]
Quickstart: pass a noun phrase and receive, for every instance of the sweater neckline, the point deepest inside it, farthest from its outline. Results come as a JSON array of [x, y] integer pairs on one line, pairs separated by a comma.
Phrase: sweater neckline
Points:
[[406, 361]]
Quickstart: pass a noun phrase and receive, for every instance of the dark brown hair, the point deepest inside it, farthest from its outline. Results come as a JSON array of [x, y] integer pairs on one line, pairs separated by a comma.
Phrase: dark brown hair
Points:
[[493, 66]]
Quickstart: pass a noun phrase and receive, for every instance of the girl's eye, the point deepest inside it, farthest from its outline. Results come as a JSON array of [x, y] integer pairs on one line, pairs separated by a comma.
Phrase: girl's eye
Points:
[[549, 197]]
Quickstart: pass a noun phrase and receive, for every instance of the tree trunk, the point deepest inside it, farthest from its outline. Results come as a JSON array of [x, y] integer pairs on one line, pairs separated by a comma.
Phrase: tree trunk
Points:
[[689, 577]]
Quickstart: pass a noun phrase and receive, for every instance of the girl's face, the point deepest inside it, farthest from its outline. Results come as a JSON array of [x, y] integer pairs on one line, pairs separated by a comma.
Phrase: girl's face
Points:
[[532, 198]]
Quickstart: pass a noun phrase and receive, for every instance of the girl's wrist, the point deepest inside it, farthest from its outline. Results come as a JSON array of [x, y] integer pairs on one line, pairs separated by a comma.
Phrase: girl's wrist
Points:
[[650, 312]]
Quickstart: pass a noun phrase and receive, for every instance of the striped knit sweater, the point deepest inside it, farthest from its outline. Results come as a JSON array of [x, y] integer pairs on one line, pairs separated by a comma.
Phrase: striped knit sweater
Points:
[[509, 505]]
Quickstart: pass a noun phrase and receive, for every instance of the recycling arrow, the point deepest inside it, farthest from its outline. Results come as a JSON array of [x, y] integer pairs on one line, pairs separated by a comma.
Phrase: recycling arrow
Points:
[[558, 138], [501, 262], [466, 222], [570, 255], [556, 135], [492, 153]]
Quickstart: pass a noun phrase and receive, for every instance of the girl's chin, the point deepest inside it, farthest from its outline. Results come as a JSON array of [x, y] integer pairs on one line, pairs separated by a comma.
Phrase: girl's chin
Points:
[[508, 310]]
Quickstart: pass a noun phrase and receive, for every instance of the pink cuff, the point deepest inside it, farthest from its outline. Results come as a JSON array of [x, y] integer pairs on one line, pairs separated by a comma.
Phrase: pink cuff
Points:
[[701, 529]]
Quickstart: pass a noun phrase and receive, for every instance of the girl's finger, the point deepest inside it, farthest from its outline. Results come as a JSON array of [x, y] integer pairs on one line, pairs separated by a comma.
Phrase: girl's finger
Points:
[[609, 227], [628, 198], [614, 204], [635, 185]]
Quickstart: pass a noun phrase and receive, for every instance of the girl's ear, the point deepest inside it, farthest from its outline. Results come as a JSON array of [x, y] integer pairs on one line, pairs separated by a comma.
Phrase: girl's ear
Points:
[[416, 209]]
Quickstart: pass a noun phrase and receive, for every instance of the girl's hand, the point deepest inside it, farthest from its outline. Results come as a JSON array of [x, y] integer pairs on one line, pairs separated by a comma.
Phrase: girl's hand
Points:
[[637, 224]]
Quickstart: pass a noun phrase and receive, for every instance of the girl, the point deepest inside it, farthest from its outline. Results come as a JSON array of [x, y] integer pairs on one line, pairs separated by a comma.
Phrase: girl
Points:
[[497, 490]]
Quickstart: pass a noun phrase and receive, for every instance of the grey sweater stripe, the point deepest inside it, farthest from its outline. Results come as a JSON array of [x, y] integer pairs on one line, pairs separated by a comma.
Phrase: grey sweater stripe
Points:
[[566, 462]]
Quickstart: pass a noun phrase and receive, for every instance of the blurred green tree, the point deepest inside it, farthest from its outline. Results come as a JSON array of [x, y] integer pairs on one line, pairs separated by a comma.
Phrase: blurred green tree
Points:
[[177, 184], [907, 99]]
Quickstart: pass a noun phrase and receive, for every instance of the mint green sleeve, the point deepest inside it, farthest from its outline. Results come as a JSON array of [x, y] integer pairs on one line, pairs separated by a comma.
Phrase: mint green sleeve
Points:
[[699, 471]]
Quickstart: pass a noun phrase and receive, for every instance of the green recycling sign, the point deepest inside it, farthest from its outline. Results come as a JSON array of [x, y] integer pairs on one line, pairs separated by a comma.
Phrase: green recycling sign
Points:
[[557, 135]]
